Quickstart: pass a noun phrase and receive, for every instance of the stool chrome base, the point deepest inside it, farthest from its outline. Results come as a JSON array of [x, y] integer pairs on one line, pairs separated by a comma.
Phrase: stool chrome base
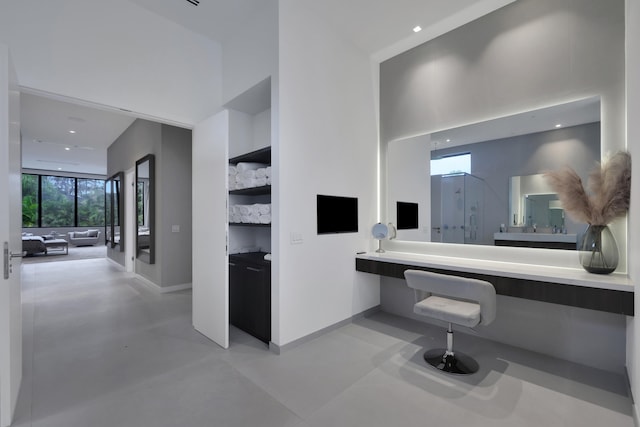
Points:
[[445, 361]]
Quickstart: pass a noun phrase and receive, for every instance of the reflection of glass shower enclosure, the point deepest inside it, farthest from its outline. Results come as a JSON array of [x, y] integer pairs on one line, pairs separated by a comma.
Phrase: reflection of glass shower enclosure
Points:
[[461, 204]]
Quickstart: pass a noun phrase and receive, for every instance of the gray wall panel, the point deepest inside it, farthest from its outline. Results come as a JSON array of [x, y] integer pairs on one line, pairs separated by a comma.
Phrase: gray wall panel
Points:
[[529, 54], [172, 149]]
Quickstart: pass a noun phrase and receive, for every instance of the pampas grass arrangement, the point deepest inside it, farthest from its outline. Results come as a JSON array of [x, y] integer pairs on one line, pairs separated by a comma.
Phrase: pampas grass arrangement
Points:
[[610, 190]]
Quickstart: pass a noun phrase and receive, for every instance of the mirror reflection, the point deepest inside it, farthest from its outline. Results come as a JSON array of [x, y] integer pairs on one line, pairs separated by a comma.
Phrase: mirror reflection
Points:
[[471, 174], [108, 212], [533, 205], [118, 179], [114, 206], [145, 209]]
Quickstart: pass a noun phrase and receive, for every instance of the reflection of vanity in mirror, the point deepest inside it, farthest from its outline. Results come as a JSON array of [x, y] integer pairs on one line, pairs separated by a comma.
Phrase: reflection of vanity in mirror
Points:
[[114, 232], [536, 217], [471, 203], [145, 209]]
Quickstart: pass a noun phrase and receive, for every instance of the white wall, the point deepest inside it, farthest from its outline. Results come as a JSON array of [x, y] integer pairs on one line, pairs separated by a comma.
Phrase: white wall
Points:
[[410, 161], [633, 145], [113, 53], [251, 55], [327, 145]]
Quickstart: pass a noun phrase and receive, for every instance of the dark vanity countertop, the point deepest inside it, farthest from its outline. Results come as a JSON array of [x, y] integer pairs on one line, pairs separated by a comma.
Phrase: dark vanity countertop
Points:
[[253, 257], [567, 286], [542, 273]]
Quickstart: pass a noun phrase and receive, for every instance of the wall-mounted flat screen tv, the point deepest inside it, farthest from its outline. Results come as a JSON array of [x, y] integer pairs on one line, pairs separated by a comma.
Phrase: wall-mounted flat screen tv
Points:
[[407, 215], [337, 214]]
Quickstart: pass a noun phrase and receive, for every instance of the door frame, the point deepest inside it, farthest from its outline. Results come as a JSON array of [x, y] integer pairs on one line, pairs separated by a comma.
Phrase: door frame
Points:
[[10, 230]]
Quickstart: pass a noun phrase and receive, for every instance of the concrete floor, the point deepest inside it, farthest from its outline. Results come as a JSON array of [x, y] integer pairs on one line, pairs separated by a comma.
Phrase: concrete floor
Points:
[[101, 349]]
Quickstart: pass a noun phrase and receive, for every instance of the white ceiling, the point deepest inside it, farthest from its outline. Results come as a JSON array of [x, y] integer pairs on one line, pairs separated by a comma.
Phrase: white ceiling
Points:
[[384, 28], [45, 126], [214, 19], [573, 113], [381, 28]]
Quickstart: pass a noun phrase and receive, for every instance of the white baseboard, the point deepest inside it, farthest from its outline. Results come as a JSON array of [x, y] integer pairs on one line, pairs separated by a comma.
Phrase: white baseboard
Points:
[[278, 349], [115, 263], [160, 289], [174, 288]]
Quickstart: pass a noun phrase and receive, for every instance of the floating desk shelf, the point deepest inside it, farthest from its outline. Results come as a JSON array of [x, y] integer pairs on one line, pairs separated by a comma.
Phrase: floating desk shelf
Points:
[[253, 191]]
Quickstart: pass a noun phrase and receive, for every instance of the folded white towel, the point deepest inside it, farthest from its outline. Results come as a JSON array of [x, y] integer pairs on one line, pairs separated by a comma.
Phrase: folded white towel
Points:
[[269, 181], [261, 173], [260, 182], [268, 171], [248, 182], [248, 174], [264, 219], [233, 170], [244, 209], [243, 166], [262, 208], [267, 257]]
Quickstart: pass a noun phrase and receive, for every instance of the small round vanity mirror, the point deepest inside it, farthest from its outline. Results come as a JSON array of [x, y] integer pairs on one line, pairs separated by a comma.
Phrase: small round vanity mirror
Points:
[[380, 232]]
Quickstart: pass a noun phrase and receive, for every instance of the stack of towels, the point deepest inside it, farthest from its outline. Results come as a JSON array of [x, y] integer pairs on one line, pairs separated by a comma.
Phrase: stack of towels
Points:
[[249, 175], [258, 213]]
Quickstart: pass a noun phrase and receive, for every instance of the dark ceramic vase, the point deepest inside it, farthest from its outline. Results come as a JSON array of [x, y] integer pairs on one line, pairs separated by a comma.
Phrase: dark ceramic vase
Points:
[[598, 250]]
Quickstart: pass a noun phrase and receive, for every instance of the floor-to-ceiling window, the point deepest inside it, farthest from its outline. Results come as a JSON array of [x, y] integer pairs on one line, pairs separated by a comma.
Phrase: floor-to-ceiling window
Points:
[[58, 201]]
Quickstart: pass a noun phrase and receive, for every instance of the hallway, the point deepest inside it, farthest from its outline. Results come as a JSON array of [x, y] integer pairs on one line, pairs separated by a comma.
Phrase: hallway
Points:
[[102, 349]]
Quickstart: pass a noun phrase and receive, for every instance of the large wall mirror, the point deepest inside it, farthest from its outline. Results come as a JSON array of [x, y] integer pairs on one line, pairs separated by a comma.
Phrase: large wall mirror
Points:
[[490, 181], [114, 204], [145, 209]]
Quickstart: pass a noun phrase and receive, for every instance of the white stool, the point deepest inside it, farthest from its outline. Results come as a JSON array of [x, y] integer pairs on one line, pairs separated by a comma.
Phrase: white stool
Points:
[[453, 299]]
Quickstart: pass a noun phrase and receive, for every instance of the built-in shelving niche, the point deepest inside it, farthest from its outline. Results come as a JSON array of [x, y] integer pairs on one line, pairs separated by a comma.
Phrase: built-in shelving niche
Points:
[[250, 141]]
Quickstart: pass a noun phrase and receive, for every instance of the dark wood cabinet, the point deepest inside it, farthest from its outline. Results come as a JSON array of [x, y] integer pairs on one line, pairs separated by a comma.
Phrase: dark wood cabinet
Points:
[[250, 294]]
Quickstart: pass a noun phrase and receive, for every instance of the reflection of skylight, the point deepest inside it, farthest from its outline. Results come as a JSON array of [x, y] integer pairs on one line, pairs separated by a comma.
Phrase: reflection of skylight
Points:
[[460, 163]]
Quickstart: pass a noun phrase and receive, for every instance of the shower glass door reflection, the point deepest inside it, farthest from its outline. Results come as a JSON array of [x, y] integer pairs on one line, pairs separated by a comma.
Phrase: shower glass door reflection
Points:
[[461, 207]]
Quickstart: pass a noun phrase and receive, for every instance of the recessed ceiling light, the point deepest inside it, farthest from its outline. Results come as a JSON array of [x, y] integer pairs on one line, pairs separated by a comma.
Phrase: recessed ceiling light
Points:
[[67, 148], [59, 169], [448, 140], [417, 29], [559, 125], [72, 131]]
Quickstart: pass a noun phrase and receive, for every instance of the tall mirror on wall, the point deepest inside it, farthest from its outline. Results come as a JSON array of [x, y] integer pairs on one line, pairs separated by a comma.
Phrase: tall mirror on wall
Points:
[[483, 182], [108, 238], [114, 232], [117, 205], [145, 209]]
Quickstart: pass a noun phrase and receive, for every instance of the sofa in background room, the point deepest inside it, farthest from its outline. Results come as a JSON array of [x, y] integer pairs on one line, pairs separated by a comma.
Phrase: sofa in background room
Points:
[[84, 238]]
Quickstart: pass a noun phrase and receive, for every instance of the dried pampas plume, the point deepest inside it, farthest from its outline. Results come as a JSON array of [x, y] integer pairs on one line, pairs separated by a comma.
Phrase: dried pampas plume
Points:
[[610, 187]]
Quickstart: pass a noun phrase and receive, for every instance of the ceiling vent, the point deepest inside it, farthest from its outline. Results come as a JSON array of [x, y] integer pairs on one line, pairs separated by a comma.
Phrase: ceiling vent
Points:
[[194, 2]]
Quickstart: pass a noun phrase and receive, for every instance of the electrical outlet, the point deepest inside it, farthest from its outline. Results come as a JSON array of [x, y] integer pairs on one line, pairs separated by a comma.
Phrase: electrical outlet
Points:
[[296, 238], [175, 228]]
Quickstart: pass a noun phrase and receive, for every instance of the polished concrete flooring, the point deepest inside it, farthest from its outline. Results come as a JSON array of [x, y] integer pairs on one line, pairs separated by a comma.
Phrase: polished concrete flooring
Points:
[[101, 349]]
